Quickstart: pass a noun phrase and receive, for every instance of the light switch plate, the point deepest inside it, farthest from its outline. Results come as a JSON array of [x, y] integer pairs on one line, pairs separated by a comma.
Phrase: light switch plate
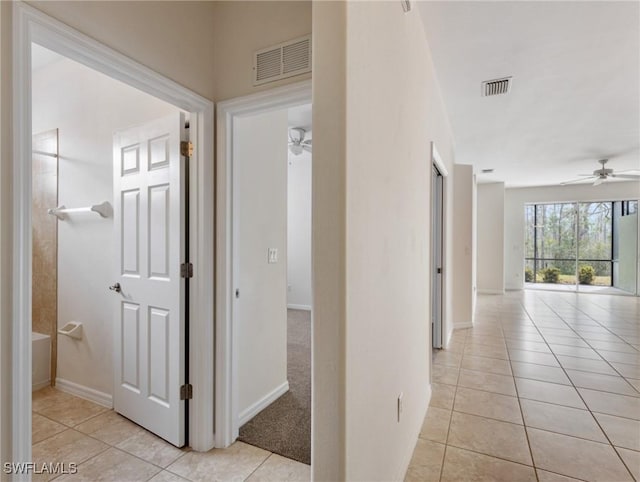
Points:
[[272, 255]]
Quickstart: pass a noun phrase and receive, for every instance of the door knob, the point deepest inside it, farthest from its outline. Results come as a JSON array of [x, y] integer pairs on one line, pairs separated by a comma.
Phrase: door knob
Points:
[[116, 287]]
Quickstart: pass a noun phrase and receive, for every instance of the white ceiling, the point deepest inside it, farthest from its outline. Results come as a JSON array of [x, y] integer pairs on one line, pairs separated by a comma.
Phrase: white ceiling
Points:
[[575, 96], [41, 57], [300, 116]]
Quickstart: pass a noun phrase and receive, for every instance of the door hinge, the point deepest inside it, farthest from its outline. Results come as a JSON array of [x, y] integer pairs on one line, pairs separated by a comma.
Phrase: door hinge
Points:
[[186, 270], [186, 392], [439, 270], [186, 148]]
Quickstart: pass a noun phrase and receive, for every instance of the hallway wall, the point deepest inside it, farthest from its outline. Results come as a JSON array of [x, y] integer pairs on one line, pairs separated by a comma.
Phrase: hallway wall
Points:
[[158, 34], [491, 230], [262, 23], [464, 246], [383, 262]]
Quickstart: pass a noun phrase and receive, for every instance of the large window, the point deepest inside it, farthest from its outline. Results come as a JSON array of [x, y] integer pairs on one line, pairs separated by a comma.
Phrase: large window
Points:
[[572, 243]]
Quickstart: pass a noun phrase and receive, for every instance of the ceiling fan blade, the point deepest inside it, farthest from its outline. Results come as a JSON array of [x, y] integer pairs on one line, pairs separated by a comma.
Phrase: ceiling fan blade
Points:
[[573, 181], [626, 176], [599, 181], [306, 142], [307, 147]]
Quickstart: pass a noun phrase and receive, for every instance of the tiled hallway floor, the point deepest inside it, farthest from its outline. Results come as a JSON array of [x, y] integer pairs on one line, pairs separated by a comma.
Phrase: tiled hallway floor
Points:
[[545, 386], [108, 447]]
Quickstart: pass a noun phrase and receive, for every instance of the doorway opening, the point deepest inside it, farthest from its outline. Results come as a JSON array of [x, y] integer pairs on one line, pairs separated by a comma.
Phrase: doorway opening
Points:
[[440, 332], [437, 223], [64, 166], [108, 214], [265, 197], [272, 268]]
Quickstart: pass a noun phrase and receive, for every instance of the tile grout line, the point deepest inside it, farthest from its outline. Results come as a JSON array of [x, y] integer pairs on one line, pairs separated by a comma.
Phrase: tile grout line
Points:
[[94, 455], [524, 424], [107, 444], [541, 380], [582, 398], [260, 465], [455, 392]]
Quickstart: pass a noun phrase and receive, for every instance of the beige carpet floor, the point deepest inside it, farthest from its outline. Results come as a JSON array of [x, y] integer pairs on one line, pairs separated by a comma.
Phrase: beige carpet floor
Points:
[[284, 427]]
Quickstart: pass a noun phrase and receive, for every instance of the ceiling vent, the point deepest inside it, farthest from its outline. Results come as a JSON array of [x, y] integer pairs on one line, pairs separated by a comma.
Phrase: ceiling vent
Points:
[[282, 61], [496, 86]]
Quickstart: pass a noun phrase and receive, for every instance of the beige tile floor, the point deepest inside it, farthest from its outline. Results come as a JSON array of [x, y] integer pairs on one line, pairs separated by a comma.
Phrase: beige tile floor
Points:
[[108, 447], [545, 387]]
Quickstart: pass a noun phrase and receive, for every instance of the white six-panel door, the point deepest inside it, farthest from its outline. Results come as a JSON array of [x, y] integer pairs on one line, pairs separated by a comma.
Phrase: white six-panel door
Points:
[[149, 342]]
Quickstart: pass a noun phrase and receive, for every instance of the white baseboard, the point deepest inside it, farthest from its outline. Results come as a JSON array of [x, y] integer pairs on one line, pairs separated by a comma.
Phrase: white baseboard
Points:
[[293, 306], [263, 403], [39, 385], [87, 393], [448, 340], [461, 325], [490, 292]]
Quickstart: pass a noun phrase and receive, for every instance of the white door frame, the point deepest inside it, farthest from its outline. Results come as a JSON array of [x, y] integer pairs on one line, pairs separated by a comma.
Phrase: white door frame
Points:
[[31, 25], [226, 418], [436, 160]]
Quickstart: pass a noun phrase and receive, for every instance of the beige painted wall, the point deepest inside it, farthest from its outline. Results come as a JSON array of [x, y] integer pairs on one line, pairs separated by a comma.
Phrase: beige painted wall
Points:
[[463, 245], [206, 51], [175, 39], [490, 232], [328, 240], [242, 27], [392, 98]]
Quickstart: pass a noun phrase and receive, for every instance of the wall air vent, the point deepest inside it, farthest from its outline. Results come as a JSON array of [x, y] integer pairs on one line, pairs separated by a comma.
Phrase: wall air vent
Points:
[[496, 86], [282, 61]]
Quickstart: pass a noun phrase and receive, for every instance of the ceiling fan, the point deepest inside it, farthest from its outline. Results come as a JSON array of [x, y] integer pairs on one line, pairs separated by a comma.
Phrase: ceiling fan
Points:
[[602, 174], [297, 141]]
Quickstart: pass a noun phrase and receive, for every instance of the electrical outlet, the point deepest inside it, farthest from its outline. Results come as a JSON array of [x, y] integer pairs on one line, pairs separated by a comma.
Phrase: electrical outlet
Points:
[[400, 405]]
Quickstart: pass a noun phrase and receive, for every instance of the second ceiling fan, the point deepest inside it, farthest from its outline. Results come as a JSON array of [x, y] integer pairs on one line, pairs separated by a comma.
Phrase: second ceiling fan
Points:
[[600, 175]]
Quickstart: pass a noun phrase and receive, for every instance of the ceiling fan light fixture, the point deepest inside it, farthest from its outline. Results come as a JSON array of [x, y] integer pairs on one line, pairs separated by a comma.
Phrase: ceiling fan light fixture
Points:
[[296, 149], [296, 134], [602, 175]]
